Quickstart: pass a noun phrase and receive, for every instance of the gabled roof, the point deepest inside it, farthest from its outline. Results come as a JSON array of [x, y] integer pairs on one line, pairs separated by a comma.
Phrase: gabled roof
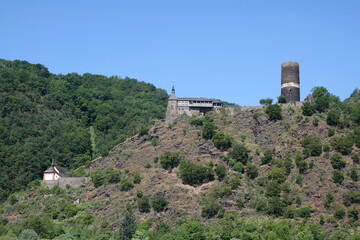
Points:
[[57, 169], [199, 99]]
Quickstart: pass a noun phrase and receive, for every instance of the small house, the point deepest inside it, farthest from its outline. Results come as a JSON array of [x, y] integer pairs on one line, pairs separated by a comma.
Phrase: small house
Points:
[[54, 172]]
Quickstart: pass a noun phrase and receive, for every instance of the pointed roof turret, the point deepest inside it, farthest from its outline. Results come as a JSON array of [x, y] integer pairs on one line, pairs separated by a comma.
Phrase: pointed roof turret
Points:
[[173, 96]]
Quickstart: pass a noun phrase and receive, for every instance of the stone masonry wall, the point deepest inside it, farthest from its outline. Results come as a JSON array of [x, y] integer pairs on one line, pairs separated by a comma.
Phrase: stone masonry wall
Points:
[[72, 181]]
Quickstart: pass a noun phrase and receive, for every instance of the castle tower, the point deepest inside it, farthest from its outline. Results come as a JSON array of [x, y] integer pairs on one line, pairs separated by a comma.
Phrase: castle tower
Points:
[[290, 81], [171, 111]]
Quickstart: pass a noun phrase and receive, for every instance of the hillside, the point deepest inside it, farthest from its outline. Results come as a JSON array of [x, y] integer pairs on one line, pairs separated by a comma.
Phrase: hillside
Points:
[[72, 118], [295, 177]]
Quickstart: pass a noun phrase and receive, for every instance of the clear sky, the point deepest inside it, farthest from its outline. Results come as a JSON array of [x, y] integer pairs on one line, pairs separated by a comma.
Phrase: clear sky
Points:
[[231, 50]]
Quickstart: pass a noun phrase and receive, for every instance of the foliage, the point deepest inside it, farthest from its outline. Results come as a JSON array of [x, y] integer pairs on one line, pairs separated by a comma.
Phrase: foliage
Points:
[[356, 136], [275, 206], [313, 145], [45, 116], [273, 112], [28, 234], [220, 171], [333, 118], [251, 171], [125, 184], [273, 189], [351, 197], [353, 214], [137, 178], [127, 226], [159, 204], [304, 212], [222, 141], [208, 130], [281, 99], [239, 167], [266, 101], [268, 157], [343, 144], [169, 160], [278, 174], [239, 153], [210, 207], [337, 162], [339, 212], [331, 132], [144, 204], [323, 98], [300, 162], [194, 174], [43, 226], [308, 109], [234, 182], [338, 176], [353, 174]]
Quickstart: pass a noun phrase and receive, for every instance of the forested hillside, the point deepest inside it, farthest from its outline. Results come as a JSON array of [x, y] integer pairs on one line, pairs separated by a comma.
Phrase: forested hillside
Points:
[[70, 118]]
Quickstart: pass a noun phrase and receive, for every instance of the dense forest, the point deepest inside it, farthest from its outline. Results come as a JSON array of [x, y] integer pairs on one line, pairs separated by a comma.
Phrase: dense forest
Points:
[[70, 118]]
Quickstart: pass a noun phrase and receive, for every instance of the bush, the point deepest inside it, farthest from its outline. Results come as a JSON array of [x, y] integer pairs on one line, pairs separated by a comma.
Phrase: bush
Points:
[[331, 132], [251, 171], [281, 99], [159, 204], [44, 226], [137, 178], [126, 184], [273, 189], [308, 109], [304, 212], [343, 144], [351, 197], [338, 176], [28, 234], [337, 162], [313, 145], [143, 204], [169, 160], [353, 214], [333, 118], [355, 159], [274, 112], [300, 163], [112, 175], [210, 207], [267, 158], [278, 174], [239, 153], [234, 182], [239, 167], [266, 101], [97, 178], [220, 171], [339, 212], [240, 203], [329, 199], [194, 174], [196, 121], [326, 148], [357, 136], [219, 192], [208, 130], [222, 141], [127, 226], [275, 206], [353, 174]]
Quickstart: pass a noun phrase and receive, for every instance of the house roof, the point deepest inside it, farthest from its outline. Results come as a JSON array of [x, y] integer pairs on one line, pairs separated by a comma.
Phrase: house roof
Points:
[[56, 169], [199, 99]]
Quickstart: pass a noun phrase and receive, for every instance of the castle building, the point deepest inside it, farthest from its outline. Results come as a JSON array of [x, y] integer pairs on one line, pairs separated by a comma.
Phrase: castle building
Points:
[[189, 106], [290, 81]]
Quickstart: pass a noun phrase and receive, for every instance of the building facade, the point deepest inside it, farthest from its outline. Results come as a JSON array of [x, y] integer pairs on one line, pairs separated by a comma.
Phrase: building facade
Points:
[[189, 106]]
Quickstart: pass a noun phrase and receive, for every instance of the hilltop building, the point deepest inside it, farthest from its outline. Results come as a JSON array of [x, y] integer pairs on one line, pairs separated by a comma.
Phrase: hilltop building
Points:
[[54, 172], [290, 81], [189, 106]]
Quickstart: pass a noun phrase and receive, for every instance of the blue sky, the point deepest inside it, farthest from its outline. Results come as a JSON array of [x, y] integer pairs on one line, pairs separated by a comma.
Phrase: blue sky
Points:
[[231, 50]]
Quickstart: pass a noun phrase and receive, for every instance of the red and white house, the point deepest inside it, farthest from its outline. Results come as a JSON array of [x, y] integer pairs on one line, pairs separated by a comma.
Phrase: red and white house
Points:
[[54, 172]]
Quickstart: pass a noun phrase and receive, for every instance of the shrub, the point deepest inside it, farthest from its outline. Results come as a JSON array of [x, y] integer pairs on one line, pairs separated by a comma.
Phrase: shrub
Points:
[[328, 200], [196, 121], [337, 162], [222, 141], [239, 153], [28, 234], [144, 204], [159, 204], [239, 167], [299, 180], [281, 99], [251, 171], [333, 118], [339, 212], [240, 203], [97, 178], [338, 176], [127, 226], [85, 219], [125, 184], [300, 163], [234, 182], [44, 226], [326, 148], [351, 197], [288, 163], [210, 207], [331, 132], [169, 160], [274, 112], [355, 159], [313, 145], [137, 178], [143, 130], [343, 144], [219, 192], [268, 156], [304, 212], [208, 130], [194, 174], [353, 174], [357, 136], [353, 214], [112, 175], [273, 189], [278, 174], [260, 204], [220, 171], [308, 109], [315, 122], [275, 206], [266, 101]]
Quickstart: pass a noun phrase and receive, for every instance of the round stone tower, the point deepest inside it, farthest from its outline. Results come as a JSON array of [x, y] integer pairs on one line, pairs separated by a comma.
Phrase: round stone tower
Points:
[[290, 81]]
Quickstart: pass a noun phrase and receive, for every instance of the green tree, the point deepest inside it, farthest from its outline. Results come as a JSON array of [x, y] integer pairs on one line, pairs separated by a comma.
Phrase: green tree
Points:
[[353, 174], [266, 101], [208, 130], [268, 157], [308, 109], [343, 144], [28, 234], [239, 153], [144, 204], [313, 145], [159, 204], [281, 99], [337, 162], [251, 171], [338, 176], [222, 141], [273, 112], [169, 160], [194, 174], [127, 226], [220, 171]]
